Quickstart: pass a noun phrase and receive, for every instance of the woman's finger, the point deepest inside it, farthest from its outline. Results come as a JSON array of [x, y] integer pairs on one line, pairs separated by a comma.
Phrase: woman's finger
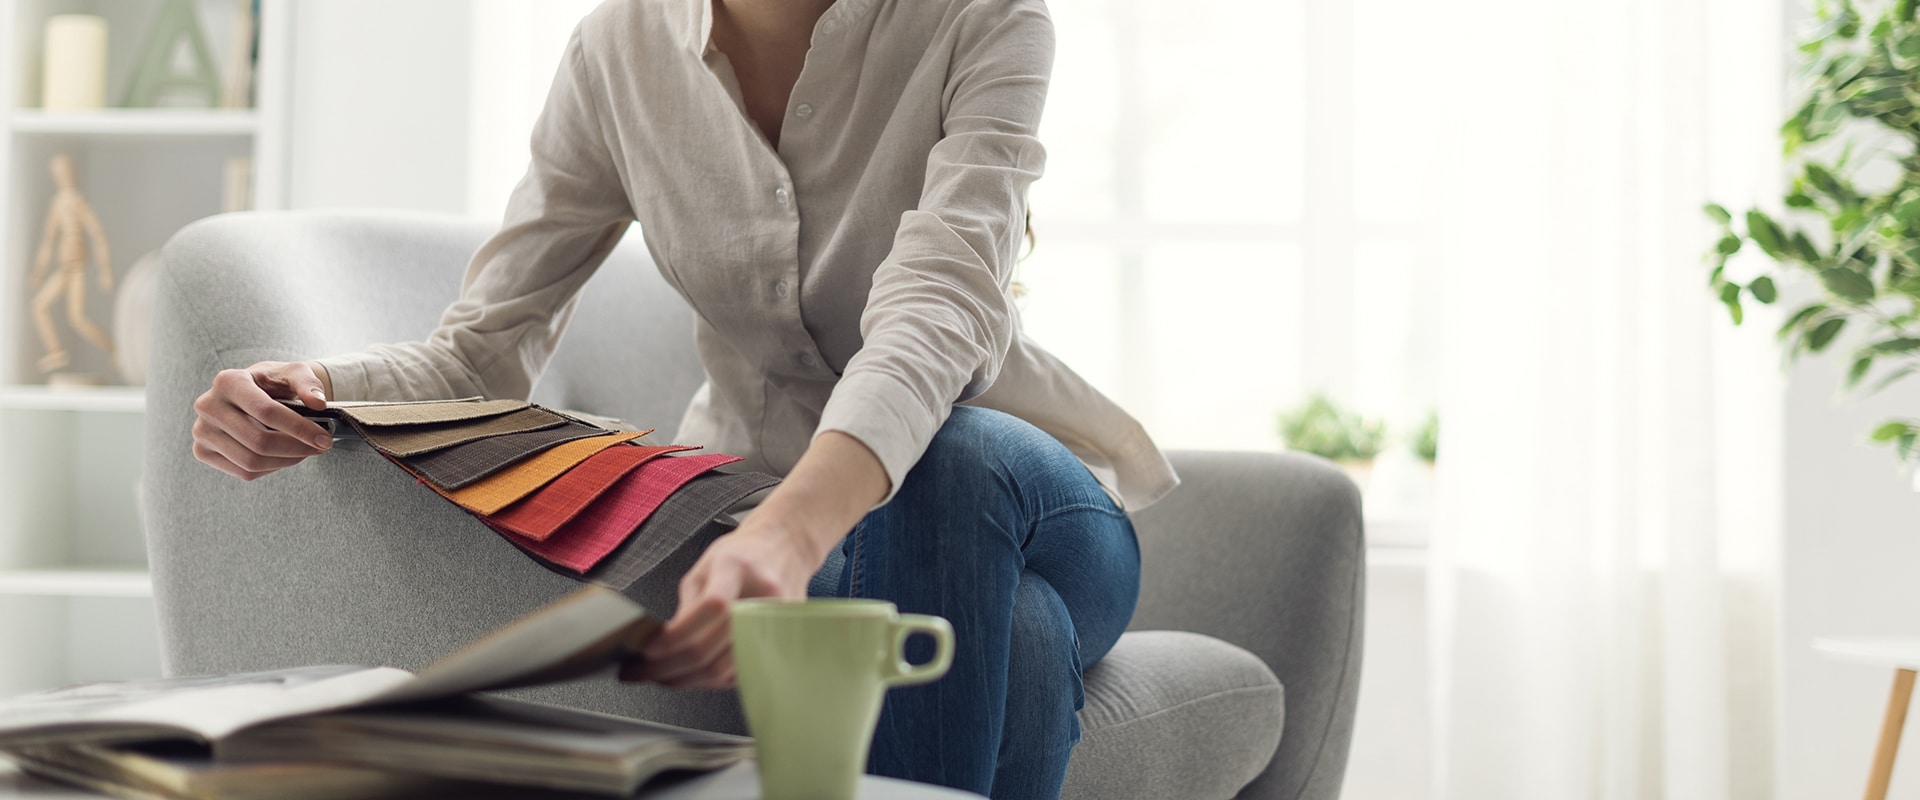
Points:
[[249, 433], [244, 393], [239, 454], [212, 458], [693, 658], [295, 380]]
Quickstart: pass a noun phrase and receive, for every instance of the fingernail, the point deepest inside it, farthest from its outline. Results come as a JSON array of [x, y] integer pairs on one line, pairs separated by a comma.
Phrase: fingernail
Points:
[[322, 442], [320, 394]]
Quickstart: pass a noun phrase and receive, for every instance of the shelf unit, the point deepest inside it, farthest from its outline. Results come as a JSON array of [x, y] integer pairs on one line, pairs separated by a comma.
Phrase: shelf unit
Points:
[[76, 602]]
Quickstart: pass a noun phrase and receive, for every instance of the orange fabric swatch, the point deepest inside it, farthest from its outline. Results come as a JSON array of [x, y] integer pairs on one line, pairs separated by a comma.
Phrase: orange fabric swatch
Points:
[[538, 515], [499, 490]]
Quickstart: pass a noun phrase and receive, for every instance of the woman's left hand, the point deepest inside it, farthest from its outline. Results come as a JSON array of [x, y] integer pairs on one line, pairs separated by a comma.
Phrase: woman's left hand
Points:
[[762, 558]]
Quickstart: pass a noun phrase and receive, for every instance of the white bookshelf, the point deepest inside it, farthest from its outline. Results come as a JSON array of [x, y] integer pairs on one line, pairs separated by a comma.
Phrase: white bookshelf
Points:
[[76, 602]]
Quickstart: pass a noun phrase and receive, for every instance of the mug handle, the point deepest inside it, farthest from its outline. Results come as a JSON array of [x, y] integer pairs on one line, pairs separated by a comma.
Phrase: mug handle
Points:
[[905, 674]]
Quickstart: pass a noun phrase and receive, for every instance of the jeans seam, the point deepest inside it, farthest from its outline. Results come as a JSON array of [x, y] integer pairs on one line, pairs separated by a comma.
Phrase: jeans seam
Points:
[[853, 560], [1107, 510]]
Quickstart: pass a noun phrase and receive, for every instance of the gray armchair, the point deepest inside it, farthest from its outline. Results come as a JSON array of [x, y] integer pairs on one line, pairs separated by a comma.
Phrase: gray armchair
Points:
[[1253, 568]]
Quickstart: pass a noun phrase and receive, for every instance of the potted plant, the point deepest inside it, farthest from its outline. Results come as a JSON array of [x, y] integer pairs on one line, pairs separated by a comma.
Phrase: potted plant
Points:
[[1321, 427], [1847, 224]]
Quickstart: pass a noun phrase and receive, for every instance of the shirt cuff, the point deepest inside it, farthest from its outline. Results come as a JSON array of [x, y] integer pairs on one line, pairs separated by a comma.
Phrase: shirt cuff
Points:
[[886, 417], [348, 375]]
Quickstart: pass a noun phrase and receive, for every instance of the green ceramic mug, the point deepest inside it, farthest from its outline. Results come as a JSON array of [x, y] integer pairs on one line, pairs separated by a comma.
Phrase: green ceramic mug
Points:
[[812, 674]]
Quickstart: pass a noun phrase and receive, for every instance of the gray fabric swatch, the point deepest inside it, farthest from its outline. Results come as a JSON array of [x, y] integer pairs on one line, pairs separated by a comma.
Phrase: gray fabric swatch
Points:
[[673, 523]]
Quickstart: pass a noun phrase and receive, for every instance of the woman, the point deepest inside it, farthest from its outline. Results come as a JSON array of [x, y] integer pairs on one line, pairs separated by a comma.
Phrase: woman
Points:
[[838, 190]]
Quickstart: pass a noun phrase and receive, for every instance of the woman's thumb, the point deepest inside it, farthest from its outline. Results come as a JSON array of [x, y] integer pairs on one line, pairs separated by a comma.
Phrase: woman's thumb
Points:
[[306, 386]]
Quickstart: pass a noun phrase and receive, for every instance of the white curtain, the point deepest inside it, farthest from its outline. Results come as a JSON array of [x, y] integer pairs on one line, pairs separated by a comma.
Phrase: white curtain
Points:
[[1605, 570]]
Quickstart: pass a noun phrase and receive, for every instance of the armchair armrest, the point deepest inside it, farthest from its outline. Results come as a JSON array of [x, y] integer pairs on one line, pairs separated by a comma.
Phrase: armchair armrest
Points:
[[1267, 551]]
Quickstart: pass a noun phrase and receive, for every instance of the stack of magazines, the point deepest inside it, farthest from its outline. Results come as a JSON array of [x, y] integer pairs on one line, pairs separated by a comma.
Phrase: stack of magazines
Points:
[[360, 732]]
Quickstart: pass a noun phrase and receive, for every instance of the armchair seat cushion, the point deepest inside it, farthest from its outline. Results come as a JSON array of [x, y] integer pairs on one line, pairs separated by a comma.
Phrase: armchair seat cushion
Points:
[[1175, 714]]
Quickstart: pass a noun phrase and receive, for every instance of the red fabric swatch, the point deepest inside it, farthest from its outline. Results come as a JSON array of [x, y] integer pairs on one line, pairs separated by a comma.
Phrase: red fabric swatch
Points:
[[608, 521], [538, 515]]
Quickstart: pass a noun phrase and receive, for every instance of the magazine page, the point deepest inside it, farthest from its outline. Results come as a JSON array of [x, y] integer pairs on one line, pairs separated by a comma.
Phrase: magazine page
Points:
[[580, 634], [206, 708]]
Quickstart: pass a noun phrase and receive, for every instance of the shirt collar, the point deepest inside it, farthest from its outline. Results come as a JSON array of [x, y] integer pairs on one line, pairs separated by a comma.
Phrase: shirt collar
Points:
[[702, 28]]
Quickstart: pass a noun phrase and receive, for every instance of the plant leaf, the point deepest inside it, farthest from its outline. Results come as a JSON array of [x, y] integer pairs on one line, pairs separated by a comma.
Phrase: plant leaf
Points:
[[1823, 333], [1889, 431], [1861, 366], [1889, 379], [1798, 317], [1799, 200], [1718, 213], [1803, 247], [1908, 212], [1762, 289], [1729, 245], [1847, 284], [1765, 233], [1900, 345]]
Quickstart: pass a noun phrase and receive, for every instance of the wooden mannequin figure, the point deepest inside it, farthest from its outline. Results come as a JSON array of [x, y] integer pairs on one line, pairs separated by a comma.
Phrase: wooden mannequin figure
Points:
[[71, 225]]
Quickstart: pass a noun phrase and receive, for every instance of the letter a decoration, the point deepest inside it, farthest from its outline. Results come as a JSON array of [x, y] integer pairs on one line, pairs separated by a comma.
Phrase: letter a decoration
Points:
[[155, 74]]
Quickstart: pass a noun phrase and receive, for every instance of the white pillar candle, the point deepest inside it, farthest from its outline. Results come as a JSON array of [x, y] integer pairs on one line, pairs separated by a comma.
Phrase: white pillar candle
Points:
[[75, 74]]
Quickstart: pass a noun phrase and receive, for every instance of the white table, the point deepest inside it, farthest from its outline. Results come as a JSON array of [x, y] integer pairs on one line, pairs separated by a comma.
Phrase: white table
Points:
[[738, 782], [1902, 655]]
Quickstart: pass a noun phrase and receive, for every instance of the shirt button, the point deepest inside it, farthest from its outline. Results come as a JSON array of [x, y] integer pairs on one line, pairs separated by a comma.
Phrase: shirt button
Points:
[[781, 290], [830, 26], [781, 194], [807, 360], [803, 111]]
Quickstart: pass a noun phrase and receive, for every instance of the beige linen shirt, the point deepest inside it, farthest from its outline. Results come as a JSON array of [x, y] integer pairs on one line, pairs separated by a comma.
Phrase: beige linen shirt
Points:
[[853, 279]]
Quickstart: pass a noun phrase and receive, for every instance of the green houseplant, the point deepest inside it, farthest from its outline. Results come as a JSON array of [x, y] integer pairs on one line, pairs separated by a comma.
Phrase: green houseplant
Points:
[[1321, 427], [1847, 225]]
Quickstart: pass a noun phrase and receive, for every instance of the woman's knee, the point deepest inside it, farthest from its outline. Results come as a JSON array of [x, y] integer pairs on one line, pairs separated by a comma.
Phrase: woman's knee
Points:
[[981, 453]]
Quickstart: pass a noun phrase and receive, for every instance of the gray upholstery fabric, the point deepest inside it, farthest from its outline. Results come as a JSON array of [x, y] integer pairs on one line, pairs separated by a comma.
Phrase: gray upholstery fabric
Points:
[[1175, 714], [342, 560]]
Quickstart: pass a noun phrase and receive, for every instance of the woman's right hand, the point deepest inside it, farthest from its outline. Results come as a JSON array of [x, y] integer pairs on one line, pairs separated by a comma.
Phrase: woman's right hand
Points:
[[244, 431]]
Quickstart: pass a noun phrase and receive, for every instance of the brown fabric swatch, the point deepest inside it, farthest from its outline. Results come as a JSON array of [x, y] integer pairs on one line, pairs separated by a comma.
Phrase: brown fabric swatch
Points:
[[412, 440], [427, 413]]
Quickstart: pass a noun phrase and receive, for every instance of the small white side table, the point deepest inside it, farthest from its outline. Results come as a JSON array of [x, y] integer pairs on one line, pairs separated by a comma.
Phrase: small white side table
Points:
[[1902, 655]]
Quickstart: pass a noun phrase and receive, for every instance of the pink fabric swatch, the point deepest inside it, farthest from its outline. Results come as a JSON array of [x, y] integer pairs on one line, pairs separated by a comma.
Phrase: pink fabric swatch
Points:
[[612, 517]]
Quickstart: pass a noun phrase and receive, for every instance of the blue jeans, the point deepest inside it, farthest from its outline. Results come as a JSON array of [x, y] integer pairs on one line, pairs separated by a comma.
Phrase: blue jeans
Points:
[[1002, 531]]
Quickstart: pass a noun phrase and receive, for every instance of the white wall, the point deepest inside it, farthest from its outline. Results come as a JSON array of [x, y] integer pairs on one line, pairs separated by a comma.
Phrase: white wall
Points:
[[1852, 568], [380, 104]]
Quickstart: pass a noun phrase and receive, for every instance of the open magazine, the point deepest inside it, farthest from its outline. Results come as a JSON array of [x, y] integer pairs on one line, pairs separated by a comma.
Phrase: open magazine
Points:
[[386, 718]]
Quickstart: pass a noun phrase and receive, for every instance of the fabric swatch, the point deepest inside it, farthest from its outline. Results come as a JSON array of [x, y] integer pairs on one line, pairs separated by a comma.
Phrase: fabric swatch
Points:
[[674, 523], [583, 541], [497, 491], [412, 440], [388, 414], [454, 467], [538, 515]]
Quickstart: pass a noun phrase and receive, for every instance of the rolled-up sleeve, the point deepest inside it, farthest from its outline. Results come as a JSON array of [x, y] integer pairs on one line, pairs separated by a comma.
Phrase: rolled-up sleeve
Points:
[[939, 319], [562, 221]]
